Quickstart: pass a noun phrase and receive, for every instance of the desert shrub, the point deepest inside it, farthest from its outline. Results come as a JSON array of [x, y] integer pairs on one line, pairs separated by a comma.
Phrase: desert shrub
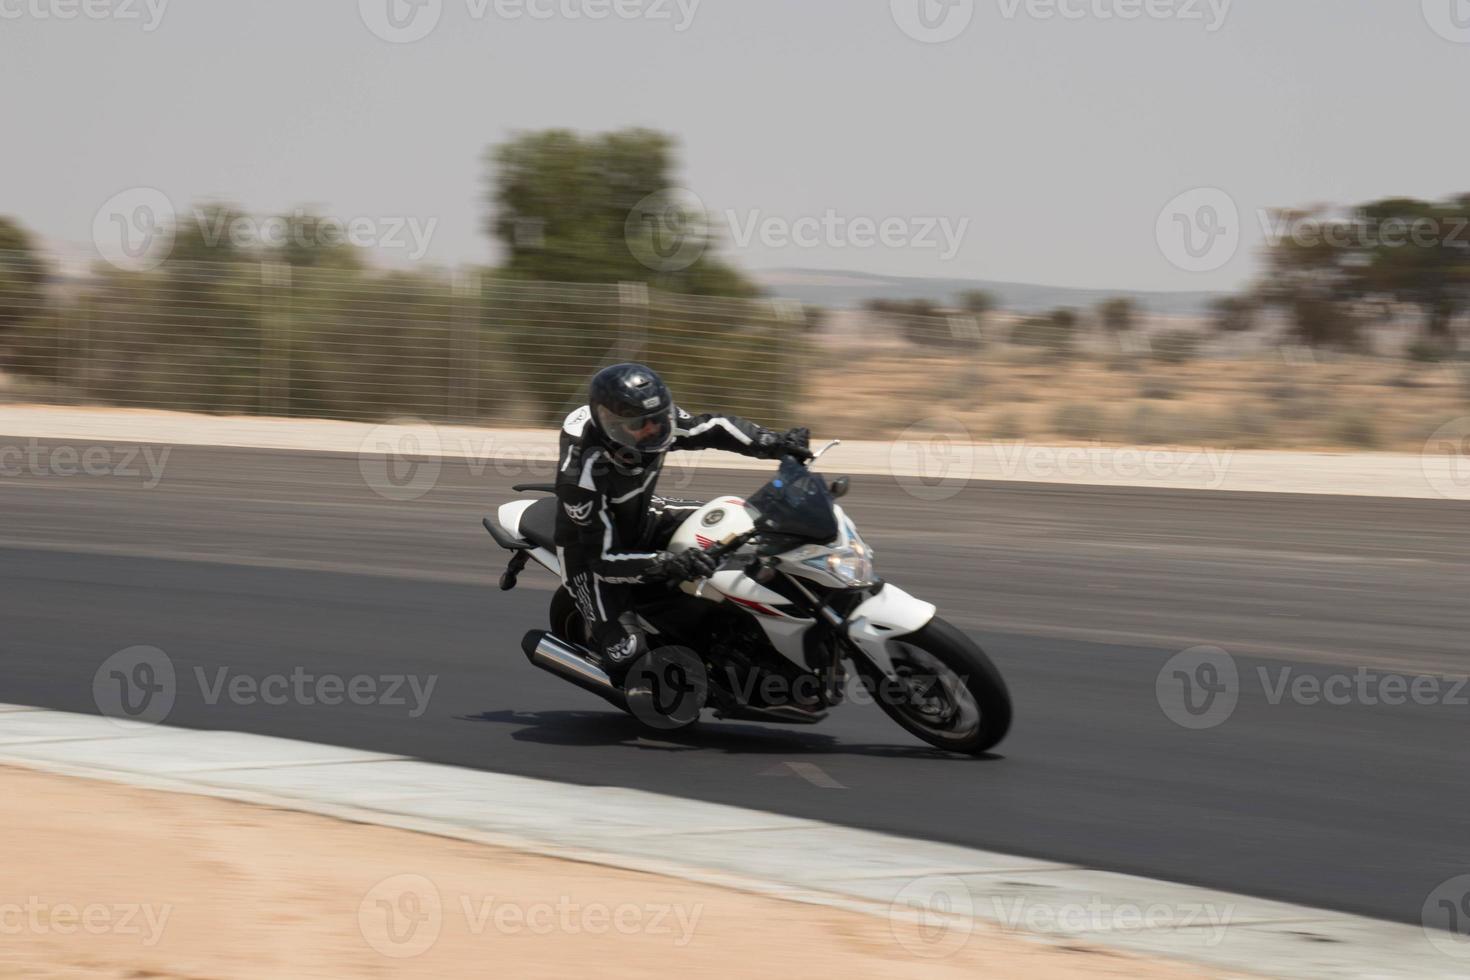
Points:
[[1426, 350], [1157, 389], [1149, 425], [1053, 335], [1248, 422], [1006, 425], [1079, 420], [1175, 346], [1354, 428], [1145, 426]]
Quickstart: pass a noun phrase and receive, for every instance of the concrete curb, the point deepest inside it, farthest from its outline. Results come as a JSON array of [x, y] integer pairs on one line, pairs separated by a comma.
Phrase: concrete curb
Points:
[[931, 465], [952, 890]]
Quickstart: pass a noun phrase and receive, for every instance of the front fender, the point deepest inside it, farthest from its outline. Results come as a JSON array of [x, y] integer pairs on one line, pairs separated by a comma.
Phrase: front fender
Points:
[[888, 614]]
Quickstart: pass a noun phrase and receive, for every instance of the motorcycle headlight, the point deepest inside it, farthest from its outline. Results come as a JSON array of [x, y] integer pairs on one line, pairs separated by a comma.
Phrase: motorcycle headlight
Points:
[[852, 564]]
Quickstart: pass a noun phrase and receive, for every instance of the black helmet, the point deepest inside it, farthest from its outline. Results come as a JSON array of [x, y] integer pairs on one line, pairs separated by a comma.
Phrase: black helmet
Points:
[[633, 408]]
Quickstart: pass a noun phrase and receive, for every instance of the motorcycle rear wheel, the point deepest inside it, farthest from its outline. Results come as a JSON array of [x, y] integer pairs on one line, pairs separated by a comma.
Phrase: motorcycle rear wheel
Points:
[[566, 619]]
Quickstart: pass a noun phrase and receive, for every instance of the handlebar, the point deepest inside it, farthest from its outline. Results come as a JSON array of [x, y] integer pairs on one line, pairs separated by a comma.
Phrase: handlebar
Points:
[[721, 549]]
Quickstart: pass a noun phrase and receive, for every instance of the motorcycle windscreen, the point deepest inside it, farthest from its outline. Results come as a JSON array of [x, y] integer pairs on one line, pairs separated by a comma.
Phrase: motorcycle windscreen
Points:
[[796, 503]]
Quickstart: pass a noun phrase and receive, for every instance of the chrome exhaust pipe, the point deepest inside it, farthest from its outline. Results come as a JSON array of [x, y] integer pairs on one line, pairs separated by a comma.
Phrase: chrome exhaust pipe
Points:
[[571, 663]]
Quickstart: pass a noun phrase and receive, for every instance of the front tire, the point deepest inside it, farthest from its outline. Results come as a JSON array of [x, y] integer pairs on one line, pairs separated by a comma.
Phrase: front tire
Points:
[[948, 693]]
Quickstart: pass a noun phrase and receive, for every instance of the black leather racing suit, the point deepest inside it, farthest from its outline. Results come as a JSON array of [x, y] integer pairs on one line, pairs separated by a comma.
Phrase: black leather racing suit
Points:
[[611, 527]]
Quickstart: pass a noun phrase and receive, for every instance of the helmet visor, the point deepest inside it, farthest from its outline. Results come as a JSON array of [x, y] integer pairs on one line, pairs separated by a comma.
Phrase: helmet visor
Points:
[[651, 433]]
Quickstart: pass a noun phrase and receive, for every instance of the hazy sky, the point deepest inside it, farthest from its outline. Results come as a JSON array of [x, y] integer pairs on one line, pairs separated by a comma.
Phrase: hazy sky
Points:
[[1059, 139]]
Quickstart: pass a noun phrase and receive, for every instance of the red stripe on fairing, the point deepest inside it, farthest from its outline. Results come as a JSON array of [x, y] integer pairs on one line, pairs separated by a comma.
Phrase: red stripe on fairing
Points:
[[703, 541], [756, 606]]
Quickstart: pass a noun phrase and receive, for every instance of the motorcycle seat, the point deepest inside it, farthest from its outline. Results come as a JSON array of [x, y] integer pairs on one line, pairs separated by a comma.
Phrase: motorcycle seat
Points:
[[538, 524]]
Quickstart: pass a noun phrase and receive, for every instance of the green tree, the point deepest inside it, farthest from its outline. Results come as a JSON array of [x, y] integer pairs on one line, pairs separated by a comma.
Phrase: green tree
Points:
[[22, 277], [1315, 280], [573, 208], [1416, 252], [313, 242]]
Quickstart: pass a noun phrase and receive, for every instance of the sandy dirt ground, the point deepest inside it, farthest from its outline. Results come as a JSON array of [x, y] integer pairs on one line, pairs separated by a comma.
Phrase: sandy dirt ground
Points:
[[102, 880], [1338, 404]]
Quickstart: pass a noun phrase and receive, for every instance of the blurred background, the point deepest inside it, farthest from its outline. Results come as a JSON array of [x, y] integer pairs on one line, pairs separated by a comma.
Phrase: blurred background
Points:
[[1192, 224]]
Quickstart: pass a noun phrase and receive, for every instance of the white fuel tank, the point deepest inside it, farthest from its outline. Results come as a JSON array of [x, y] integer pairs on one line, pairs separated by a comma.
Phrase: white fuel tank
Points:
[[714, 522], [711, 524]]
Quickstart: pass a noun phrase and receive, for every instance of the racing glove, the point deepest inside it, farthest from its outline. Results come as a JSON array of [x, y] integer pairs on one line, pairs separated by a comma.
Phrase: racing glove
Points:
[[684, 567], [792, 442]]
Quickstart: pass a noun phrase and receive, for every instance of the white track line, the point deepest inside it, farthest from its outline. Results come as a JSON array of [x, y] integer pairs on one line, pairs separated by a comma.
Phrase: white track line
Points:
[[786, 857]]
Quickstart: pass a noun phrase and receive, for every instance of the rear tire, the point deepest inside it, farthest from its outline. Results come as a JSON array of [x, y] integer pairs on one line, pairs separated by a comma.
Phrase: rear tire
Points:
[[566, 619], [937, 711]]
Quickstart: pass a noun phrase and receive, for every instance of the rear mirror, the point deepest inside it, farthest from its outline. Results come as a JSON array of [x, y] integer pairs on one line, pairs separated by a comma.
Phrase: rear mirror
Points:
[[840, 486]]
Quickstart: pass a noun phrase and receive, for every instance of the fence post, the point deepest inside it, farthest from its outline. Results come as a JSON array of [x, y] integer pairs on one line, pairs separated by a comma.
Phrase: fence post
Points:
[[80, 360], [791, 315], [464, 367], [275, 354], [632, 322]]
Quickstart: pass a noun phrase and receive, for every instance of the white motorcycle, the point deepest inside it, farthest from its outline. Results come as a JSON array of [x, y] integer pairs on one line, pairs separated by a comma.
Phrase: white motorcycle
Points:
[[768, 637]]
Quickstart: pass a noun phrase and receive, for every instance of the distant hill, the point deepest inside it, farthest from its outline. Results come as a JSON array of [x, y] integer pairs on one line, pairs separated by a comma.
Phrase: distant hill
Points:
[[846, 290]]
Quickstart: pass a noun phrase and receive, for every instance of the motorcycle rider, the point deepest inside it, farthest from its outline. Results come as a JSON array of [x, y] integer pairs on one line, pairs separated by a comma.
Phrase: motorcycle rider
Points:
[[611, 526]]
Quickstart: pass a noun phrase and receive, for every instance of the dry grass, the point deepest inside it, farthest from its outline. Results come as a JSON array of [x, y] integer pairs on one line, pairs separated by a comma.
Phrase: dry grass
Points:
[[1342, 403]]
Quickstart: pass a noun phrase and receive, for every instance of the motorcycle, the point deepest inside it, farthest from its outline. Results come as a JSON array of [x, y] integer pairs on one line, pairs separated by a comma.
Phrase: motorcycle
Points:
[[769, 636]]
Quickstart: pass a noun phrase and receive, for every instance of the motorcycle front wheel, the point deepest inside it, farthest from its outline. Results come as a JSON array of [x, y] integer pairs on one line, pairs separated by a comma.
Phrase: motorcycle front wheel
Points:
[[947, 691]]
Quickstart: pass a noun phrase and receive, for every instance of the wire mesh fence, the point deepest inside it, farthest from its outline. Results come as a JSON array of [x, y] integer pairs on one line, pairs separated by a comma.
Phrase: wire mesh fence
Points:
[[258, 338], [267, 339]]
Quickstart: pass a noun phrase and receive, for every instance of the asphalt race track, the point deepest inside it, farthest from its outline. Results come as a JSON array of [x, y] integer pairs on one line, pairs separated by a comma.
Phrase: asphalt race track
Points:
[[251, 564]]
